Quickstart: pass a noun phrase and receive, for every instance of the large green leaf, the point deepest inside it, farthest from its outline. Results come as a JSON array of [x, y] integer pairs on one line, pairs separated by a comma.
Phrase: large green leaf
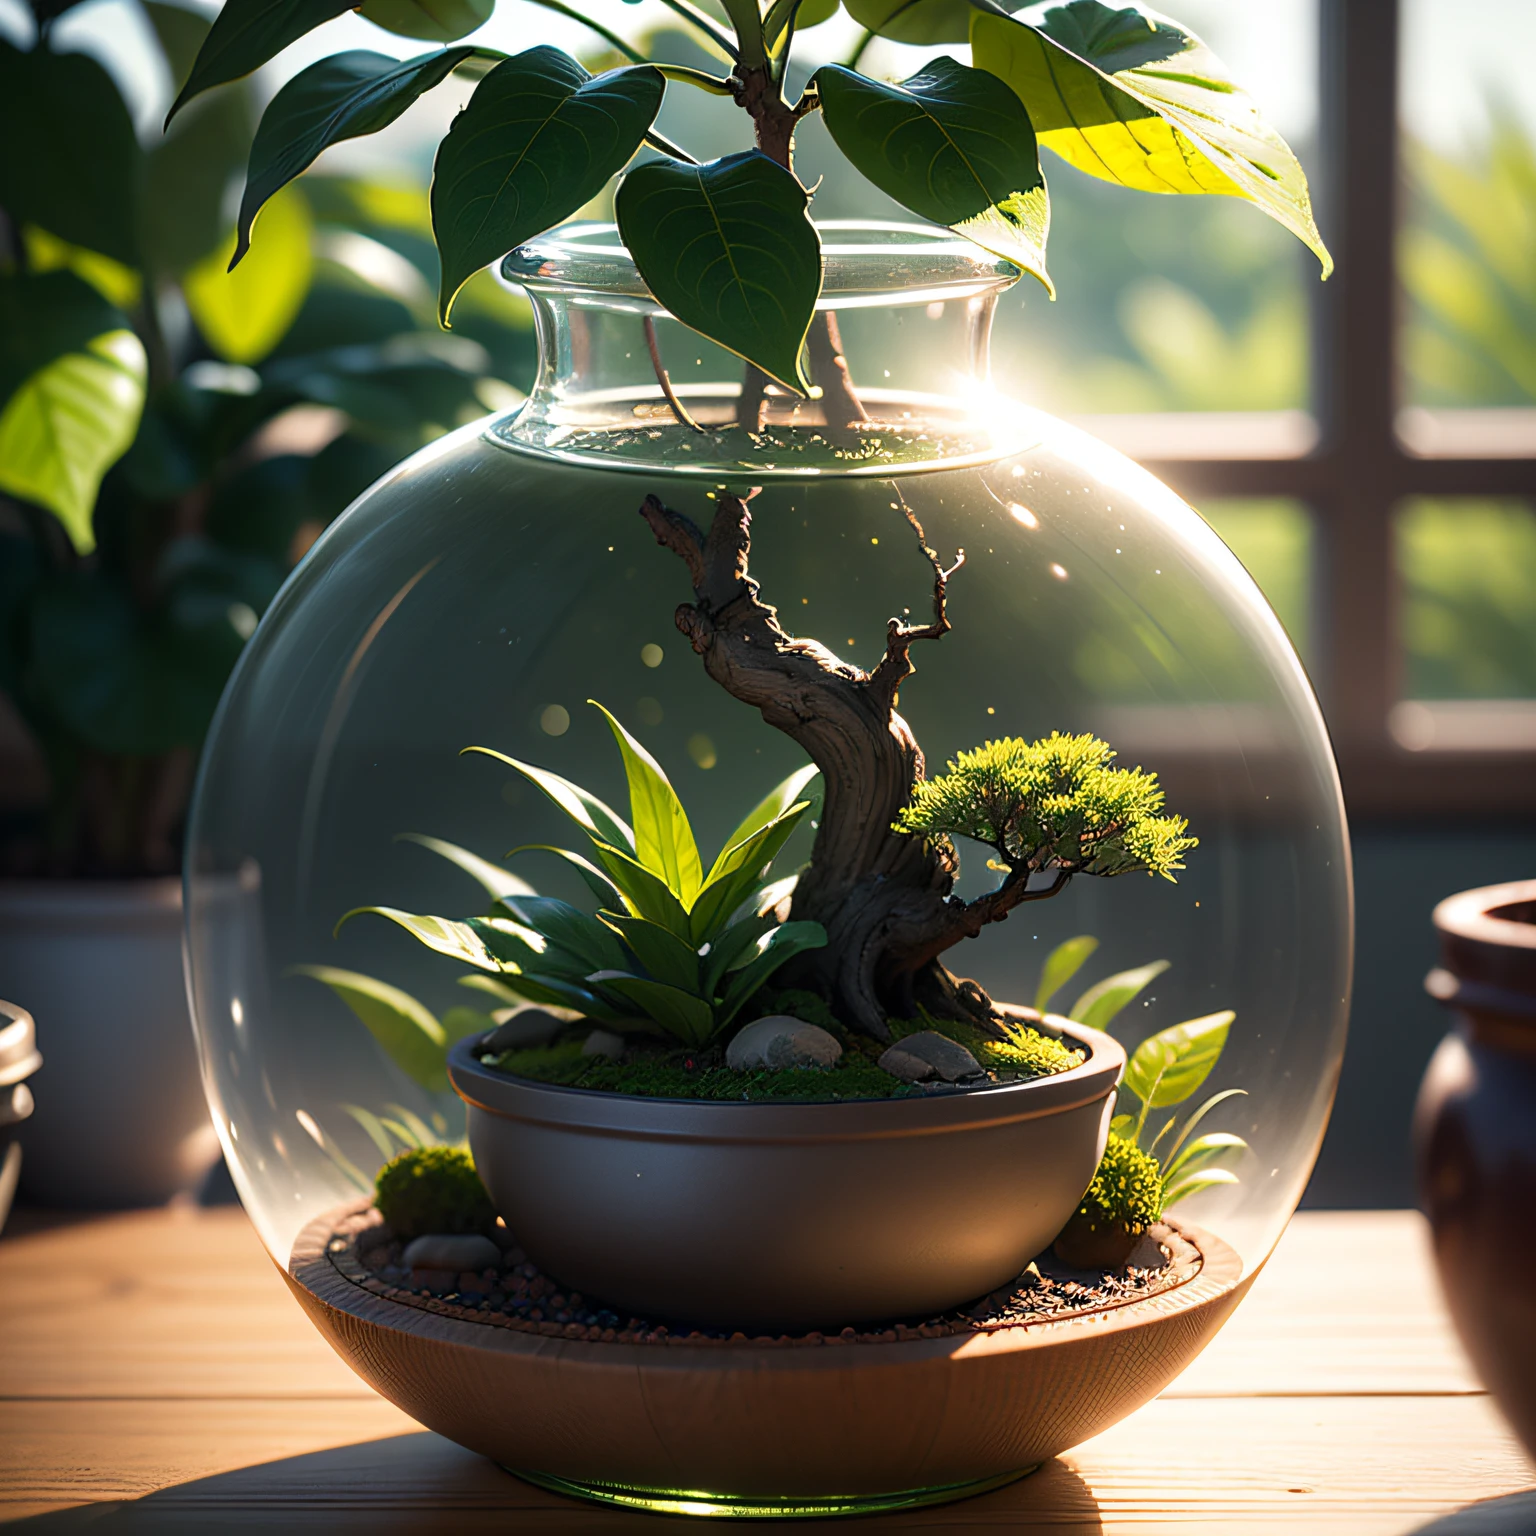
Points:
[[434, 21], [773, 805], [593, 878], [448, 936], [342, 97], [245, 34], [496, 880], [923, 22], [1169, 1066], [954, 145], [664, 840], [680, 1013], [1130, 96], [645, 894], [72, 380], [586, 810], [664, 955], [567, 928], [1061, 965], [69, 158], [729, 249], [1102, 1001], [244, 314], [539, 138], [407, 1029], [782, 944], [188, 174], [739, 870], [735, 947]]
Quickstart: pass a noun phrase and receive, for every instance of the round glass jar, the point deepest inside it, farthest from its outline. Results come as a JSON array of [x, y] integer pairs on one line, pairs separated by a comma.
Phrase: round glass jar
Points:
[[492, 585]]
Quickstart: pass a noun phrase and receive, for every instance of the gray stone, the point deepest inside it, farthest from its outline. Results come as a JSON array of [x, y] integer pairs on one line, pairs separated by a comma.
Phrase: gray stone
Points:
[[520, 1029], [451, 1252], [779, 1041], [921, 1057], [603, 1042]]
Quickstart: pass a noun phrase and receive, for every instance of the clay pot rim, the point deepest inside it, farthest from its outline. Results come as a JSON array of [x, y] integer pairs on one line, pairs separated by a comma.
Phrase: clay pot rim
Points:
[[518, 1098], [1472, 915]]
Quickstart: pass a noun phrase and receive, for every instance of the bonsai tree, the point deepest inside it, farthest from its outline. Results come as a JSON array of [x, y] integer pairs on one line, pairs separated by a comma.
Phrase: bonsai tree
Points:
[[883, 865], [726, 245]]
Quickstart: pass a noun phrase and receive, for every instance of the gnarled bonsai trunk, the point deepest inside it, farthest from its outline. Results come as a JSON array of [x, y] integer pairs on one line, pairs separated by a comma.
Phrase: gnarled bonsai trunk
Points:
[[882, 896]]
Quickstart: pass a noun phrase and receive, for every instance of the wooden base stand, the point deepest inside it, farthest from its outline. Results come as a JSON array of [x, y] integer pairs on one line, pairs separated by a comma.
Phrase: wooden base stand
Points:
[[742, 1428]]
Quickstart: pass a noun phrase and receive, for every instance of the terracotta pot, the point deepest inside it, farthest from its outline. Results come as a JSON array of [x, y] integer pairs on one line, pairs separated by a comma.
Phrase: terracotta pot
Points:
[[121, 1119], [789, 1216], [1475, 1129]]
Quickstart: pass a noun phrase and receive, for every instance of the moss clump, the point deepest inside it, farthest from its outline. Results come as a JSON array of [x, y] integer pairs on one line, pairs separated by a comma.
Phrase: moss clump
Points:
[[433, 1189], [1124, 1199]]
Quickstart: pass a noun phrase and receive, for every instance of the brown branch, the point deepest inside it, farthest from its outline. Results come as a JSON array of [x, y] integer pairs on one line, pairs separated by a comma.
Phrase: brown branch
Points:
[[663, 378], [895, 666]]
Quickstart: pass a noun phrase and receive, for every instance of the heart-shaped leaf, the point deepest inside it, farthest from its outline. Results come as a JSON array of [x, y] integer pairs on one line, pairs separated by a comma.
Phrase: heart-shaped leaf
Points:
[[69, 159], [1170, 1065], [244, 314], [71, 392], [923, 22], [728, 248], [1129, 96], [434, 21], [245, 34], [539, 138], [953, 145], [342, 97]]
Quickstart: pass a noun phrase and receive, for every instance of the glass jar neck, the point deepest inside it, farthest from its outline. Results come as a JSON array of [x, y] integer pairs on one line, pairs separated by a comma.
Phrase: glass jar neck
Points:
[[897, 355]]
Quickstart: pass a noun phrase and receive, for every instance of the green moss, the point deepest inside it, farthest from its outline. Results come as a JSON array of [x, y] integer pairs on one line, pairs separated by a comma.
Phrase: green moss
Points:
[[670, 1077], [1127, 1191], [433, 1189], [1028, 1054]]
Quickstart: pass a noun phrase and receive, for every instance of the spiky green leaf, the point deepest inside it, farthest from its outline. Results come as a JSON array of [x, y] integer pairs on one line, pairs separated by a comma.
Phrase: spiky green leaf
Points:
[[496, 880], [407, 1029], [1061, 965], [1102, 1001], [586, 810]]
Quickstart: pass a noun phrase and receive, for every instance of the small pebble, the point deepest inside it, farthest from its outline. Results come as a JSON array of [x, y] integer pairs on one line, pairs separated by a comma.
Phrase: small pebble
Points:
[[603, 1042], [458, 1252], [917, 1058], [778, 1042], [521, 1028]]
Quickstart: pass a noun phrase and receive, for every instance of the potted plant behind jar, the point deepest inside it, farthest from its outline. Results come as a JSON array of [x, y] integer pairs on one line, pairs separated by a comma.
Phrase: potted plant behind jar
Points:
[[719, 1096], [171, 444]]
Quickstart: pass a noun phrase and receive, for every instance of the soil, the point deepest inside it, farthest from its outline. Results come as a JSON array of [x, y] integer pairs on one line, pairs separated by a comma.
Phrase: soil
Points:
[[518, 1296]]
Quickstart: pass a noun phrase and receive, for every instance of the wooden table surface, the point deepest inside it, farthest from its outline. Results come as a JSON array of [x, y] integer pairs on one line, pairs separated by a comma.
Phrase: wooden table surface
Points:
[[155, 1375]]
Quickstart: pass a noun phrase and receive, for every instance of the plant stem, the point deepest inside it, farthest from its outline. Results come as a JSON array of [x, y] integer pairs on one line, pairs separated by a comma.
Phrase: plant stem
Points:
[[760, 95], [679, 410]]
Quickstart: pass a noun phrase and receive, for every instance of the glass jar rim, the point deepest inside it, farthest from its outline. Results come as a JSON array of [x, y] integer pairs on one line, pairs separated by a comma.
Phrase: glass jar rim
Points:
[[865, 263]]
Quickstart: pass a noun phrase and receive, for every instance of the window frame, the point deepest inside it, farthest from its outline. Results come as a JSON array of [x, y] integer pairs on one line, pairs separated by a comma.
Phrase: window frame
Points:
[[1357, 457]]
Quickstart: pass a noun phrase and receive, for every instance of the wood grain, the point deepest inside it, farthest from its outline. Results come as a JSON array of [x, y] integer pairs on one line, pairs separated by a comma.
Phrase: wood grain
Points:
[[129, 1401]]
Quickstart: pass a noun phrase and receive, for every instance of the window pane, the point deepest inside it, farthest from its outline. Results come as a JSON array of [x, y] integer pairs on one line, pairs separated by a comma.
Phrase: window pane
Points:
[[1467, 252], [1273, 539], [1177, 303], [1468, 574]]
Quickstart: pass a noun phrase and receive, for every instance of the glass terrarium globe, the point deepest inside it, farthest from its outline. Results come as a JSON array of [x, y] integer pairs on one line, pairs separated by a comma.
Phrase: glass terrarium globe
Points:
[[492, 585]]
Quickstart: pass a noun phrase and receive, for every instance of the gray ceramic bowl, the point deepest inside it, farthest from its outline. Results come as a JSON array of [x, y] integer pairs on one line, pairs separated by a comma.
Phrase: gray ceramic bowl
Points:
[[788, 1216]]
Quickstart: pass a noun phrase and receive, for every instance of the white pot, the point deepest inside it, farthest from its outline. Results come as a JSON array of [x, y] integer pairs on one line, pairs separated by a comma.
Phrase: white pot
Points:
[[120, 1116]]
